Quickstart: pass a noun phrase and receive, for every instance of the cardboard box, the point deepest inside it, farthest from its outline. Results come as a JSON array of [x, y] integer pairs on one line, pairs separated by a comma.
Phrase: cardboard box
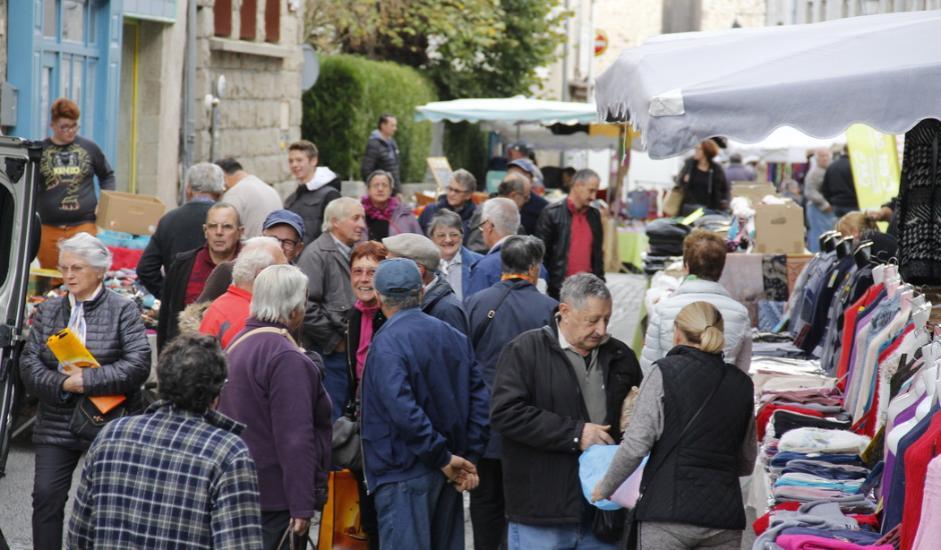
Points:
[[135, 214], [779, 228], [752, 191]]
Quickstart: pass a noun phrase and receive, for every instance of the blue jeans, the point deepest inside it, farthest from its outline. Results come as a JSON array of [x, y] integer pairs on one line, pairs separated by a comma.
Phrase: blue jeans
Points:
[[563, 537], [818, 223], [423, 513], [336, 381]]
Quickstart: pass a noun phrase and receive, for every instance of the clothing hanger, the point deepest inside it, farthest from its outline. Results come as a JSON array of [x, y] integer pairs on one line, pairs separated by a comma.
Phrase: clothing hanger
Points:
[[919, 300], [921, 313], [828, 241], [878, 274], [863, 254], [844, 247]]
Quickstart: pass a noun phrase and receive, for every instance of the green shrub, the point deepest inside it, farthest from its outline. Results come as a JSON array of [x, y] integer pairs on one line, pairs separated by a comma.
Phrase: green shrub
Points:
[[342, 109], [465, 145]]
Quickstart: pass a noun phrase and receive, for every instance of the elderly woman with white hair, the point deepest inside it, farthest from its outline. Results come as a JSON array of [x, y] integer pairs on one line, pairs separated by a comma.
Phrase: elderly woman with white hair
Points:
[[110, 327], [275, 389]]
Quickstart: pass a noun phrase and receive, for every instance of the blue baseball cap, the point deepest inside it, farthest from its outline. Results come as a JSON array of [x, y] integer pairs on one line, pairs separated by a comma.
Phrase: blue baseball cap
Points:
[[285, 217], [397, 277]]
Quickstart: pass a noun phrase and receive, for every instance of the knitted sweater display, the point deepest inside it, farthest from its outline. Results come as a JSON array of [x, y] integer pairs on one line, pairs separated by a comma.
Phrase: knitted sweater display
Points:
[[919, 215]]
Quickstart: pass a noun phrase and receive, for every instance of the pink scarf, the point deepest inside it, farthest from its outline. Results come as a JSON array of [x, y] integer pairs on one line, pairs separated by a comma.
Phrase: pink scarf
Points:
[[365, 335], [374, 212]]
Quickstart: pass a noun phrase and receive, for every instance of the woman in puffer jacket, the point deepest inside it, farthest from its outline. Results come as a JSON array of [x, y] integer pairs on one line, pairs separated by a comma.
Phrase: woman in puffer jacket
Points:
[[111, 329]]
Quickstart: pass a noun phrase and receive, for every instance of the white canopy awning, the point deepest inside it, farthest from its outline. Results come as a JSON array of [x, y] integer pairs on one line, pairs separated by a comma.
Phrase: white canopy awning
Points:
[[881, 70], [510, 109]]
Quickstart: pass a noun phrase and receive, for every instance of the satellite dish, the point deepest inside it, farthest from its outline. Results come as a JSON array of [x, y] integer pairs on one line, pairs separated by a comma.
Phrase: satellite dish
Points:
[[220, 86], [311, 69]]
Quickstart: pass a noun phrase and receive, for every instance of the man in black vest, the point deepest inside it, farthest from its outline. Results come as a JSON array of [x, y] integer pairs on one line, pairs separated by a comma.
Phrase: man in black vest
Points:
[[557, 391]]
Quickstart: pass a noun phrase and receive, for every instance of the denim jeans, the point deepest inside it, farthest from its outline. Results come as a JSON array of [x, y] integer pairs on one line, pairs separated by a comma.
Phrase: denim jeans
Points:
[[423, 513], [336, 381], [563, 537], [818, 223]]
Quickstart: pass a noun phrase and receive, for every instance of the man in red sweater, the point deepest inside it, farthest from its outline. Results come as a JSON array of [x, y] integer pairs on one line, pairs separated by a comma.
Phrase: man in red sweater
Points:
[[227, 314]]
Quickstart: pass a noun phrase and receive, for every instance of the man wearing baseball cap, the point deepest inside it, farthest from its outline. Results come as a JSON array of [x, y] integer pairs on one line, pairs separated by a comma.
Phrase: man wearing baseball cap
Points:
[[288, 228], [424, 420]]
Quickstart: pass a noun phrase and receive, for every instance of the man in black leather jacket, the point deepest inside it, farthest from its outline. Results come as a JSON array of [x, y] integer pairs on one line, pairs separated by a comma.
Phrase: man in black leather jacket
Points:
[[572, 232]]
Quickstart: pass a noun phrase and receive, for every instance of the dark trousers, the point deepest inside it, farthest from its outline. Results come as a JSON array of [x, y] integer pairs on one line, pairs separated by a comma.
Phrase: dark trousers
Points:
[[487, 507], [54, 467], [273, 526], [368, 519]]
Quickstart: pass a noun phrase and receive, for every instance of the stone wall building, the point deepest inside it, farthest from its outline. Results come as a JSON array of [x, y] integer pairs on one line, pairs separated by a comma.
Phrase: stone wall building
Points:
[[259, 113]]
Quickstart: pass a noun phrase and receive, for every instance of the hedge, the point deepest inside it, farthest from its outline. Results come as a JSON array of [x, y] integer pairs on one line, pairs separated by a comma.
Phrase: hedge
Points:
[[342, 109]]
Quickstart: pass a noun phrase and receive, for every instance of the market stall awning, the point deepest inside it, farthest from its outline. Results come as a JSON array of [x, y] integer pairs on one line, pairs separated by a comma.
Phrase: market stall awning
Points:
[[881, 70], [785, 144], [509, 109]]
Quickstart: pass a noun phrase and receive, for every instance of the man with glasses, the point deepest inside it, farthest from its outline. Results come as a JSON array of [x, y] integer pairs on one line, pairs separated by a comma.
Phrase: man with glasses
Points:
[[67, 197], [189, 271], [457, 198]]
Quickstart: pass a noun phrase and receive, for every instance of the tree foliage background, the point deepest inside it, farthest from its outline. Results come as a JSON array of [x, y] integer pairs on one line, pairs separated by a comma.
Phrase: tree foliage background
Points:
[[469, 48]]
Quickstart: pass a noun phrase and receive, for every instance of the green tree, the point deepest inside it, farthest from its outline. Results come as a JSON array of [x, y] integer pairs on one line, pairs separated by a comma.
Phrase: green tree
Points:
[[469, 48]]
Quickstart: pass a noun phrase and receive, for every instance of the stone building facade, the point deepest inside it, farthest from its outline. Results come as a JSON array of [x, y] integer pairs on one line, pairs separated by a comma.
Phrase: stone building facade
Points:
[[259, 113]]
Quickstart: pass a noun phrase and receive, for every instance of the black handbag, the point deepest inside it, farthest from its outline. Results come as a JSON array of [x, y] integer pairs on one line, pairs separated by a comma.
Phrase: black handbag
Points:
[[345, 444], [608, 525], [87, 420]]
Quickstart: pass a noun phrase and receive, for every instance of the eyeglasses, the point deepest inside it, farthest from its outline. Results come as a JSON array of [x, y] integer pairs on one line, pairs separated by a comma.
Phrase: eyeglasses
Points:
[[442, 236], [287, 244], [481, 226], [225, 227], [67, 127], [363, 271], [76, 269], [456, 190]]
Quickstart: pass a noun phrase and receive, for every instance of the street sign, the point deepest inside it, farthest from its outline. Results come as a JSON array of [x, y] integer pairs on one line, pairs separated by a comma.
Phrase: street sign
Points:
[[601, 42]]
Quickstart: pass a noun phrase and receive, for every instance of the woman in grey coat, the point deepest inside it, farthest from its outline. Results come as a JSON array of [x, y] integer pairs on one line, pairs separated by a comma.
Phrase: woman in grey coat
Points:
[[111, 329]]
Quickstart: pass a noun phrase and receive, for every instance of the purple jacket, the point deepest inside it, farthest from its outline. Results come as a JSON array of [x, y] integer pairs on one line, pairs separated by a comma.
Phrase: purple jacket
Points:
[[276, 391]]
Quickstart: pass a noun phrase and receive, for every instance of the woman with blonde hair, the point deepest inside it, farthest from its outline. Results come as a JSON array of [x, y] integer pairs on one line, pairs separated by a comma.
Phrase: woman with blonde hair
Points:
[[694, 416]]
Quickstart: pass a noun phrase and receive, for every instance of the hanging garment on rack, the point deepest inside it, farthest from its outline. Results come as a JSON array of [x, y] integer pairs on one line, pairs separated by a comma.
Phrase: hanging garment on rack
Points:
[[928, 536], [917, 458], [919, 214], [895, 502], [851, 318]]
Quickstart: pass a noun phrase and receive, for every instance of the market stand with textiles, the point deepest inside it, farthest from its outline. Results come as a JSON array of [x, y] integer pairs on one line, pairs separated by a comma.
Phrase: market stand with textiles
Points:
[[846, 400]]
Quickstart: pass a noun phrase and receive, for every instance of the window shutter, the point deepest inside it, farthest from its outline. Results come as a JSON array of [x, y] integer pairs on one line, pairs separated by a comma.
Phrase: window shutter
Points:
[[222, 18], [272, 20], [248, 19]]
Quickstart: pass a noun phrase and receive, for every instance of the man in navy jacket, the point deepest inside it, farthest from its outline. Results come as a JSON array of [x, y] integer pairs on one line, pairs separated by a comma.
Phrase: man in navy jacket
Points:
[[424, 420]]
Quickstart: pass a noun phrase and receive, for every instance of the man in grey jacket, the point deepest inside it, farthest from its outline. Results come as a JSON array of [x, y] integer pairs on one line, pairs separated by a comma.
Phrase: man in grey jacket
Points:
[[703, 259], [326, 262]]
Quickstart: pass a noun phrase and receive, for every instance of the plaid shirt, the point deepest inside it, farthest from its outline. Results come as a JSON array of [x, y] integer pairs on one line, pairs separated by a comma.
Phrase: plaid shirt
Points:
[[168, 479]]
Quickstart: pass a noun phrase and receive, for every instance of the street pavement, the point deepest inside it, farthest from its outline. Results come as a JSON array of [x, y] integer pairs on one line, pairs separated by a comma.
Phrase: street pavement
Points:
[[17, 487]]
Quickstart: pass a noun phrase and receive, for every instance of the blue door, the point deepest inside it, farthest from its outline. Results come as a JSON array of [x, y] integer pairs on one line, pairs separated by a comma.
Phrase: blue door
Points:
[[66, 48]]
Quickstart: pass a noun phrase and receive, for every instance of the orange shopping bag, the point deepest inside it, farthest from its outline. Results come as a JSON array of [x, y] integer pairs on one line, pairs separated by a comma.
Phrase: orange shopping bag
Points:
[[340, 527]]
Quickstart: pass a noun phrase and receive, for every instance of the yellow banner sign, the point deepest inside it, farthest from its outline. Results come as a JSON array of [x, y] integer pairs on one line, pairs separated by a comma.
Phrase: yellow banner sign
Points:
[[875, 163]]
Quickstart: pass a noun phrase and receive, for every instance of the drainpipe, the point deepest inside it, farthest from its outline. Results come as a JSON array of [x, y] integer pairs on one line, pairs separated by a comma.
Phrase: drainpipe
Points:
[[189, 98]]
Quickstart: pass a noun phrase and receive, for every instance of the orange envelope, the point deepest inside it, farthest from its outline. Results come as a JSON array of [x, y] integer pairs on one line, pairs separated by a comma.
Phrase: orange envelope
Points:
[[71, 352]]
